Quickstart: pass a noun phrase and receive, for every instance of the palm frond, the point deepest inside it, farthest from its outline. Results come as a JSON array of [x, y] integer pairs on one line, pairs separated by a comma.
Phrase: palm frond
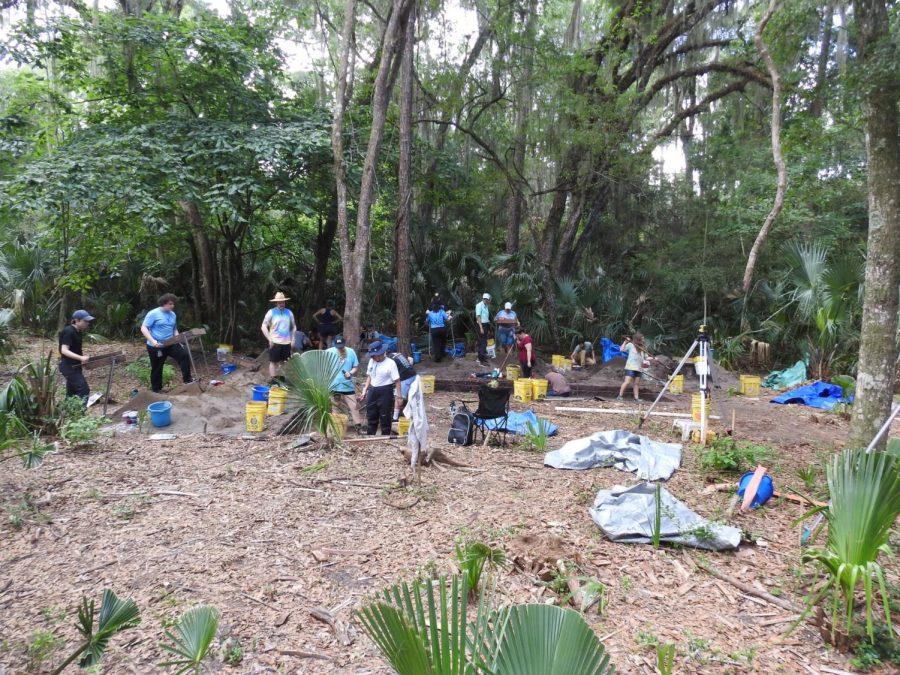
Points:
[[309, 377], [116, 615], [193, 636]]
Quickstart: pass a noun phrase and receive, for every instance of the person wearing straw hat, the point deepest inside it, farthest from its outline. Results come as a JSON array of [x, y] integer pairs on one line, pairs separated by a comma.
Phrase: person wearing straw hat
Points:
[[381, 392], [279, 326], [70, 356]]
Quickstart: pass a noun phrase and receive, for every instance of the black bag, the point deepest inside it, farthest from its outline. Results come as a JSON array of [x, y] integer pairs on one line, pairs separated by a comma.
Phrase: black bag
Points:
[[462, 428]]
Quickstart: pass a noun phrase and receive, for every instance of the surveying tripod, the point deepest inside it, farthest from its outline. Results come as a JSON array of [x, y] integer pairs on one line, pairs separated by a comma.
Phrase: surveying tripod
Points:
[[702, 368]]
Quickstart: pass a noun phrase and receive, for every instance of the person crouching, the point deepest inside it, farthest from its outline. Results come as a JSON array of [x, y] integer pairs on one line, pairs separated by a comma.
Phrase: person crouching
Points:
[[381, 391]]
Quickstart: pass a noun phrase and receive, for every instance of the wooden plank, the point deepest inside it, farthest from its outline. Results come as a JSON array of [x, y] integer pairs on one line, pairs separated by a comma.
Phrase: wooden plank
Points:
[[103, 360], [182, 338]]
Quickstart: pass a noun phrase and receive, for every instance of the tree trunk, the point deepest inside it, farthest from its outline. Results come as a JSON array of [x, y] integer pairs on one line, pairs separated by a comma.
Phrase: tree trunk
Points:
[[205, 258], [878, 335], [404, 209], [776, 147], [324, 244], [354, 272], [818, 103]]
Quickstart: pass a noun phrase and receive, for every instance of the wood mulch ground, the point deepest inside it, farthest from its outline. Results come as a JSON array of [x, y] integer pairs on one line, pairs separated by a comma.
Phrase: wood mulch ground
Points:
[[268, 533]]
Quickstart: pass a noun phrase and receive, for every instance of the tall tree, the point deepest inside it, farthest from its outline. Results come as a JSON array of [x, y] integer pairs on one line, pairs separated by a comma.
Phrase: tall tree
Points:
[[878, 336], [404, 208]]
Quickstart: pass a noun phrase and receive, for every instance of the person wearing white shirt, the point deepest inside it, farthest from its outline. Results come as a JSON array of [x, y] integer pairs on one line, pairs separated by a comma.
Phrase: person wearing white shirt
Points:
[[381, 392]]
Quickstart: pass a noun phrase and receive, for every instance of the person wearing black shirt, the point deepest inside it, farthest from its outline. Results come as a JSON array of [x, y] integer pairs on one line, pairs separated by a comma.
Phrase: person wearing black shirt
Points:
[[70, 356], [407, 375]]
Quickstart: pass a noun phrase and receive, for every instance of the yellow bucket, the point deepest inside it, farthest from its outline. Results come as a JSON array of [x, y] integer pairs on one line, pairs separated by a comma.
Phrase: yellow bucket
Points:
[[522, 389], [403, 426], [427, 383], [256, 416], [750, 385], [677, 385], [710, 435], [565, 364], [340, 422], [538, 388], [557, 359], [695, 406], [277, 400], [490, 342], [513, 373]]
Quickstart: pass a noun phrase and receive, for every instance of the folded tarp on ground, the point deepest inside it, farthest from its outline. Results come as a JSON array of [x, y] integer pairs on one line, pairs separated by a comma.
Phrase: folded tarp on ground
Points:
[[628, 514], [787, 378], [518, 423], [610, 350], [817, 395], [622, 449]]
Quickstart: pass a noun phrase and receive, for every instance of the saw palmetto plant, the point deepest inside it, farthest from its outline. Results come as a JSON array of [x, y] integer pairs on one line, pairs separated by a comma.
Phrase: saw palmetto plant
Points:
[[116, 615], [865, 501], [308, 380], [425, 629], [473, 556], [192, 639]]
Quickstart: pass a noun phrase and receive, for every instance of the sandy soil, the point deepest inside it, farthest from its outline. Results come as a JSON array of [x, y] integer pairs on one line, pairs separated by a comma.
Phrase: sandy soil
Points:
[[266, 533]]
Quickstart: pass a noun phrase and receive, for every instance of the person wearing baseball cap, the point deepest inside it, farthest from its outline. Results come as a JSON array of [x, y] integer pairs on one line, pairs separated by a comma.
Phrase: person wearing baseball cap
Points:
[[343, 387], [507, 321], [71, 357], [482, 326], [381, 392]]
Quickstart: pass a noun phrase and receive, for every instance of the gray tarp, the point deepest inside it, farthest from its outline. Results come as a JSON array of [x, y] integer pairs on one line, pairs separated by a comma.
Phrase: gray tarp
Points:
[[622, 449], [628, 515]]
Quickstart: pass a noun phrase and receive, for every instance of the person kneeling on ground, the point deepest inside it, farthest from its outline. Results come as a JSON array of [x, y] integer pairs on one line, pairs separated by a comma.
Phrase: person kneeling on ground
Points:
[[407, 375], [381, 391], [278, 326], [584, 355], [634, 365], [342, 386], [557, 385], [526, 351], [159, 325], [70, 356]]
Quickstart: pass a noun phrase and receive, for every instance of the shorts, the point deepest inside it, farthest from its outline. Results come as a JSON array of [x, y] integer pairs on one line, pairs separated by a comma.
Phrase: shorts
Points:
[[405, 385], [507, 336], [328, 329], [636, 374], [279, 353]]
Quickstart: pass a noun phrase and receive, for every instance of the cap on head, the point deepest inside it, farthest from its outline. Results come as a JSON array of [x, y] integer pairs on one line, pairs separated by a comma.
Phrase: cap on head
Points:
[[81, 315], [279, 297], [508, 305], [377, 348], [339, 341], [587, 345], [486, 296]]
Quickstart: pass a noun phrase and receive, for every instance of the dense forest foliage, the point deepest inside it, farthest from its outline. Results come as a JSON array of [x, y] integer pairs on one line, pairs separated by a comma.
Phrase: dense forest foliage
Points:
[[518, 147]]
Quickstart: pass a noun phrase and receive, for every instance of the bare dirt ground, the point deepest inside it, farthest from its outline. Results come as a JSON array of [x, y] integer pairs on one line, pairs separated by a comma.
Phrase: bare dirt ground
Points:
[[267, 533]]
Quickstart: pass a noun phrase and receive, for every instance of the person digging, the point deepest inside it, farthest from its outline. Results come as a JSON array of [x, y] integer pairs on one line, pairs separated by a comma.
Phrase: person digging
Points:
[[381, 392], [71, 357], [583, 354], [159, 325], [278, 327]]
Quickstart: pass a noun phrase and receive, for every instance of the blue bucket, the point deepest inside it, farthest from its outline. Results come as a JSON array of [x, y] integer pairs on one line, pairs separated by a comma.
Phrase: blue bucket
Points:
[[160, 413], [763, 494], [227, 368], [260, 393], [417, 357]]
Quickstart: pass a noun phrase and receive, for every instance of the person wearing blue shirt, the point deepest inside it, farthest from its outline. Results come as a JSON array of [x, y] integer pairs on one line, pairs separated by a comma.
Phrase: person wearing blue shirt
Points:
[[159, 325], [437, 327], [482, 326], [343, 387], [507, 321]]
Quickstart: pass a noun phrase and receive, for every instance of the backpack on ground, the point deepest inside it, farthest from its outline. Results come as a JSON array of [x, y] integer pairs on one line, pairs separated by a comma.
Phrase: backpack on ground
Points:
[[462, 428]]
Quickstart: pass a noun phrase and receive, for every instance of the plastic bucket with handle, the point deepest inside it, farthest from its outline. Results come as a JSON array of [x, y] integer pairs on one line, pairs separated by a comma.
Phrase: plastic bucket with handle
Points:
[[277, 400], [538, 388], [260, 393], [256, 416], [522, 390], [160, 413]]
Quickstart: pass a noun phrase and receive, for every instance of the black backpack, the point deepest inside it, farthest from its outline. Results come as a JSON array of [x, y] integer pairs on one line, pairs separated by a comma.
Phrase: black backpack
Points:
[[462, 428]]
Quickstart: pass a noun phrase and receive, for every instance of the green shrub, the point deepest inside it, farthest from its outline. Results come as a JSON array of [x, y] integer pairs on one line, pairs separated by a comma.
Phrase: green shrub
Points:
[[140, 369], [727, 454], [80, 429], [536, 436]]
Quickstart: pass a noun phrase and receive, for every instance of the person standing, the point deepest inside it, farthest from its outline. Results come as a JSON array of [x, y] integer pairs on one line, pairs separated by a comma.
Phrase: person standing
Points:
[[279, 327], [482, 326], [381, 392], [526, 351], [634, 365], [583, 355], [342, 386], [328, 320], [159, 325], [437, 319], [507, 322], [71, 357]]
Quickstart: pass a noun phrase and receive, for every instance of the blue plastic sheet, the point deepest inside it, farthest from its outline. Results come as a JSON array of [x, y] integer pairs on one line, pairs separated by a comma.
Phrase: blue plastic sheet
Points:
[[518, 423], [817, 395], [389, 342], [610, 350]]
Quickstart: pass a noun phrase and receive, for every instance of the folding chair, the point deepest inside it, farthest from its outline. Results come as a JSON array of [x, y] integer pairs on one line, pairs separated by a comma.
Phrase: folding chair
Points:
[[493, 405]]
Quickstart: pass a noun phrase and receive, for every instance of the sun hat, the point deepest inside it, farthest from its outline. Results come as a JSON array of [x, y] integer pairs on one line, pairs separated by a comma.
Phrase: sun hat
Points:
[[508, 305], [82, 314], [377, 348], [279, 297]]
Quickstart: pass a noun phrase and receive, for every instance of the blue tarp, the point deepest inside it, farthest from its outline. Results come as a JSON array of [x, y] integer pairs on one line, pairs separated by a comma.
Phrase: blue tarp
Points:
[[610, 350], [787, 378], [817, 395], [389, 342], [518, 423]]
